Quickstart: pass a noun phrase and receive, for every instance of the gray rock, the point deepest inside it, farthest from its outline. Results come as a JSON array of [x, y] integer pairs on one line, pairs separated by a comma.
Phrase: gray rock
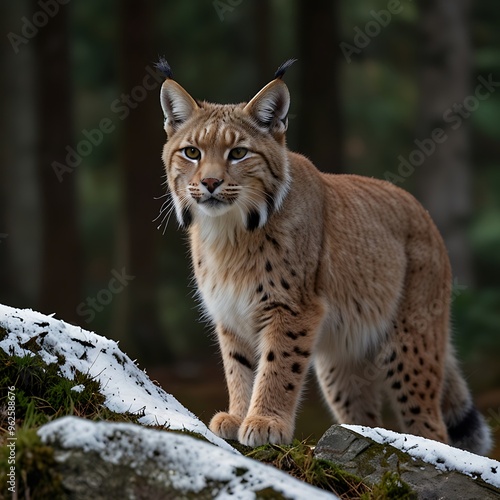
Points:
[[369, 460], [104, 460]]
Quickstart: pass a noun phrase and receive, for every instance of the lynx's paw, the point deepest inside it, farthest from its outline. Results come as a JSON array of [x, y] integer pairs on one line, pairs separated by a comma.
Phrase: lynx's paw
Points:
[[225, 425], [256, 431]]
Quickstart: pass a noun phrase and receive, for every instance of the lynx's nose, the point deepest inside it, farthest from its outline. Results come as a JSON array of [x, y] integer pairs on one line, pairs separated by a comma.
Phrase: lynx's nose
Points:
[[211, 183]]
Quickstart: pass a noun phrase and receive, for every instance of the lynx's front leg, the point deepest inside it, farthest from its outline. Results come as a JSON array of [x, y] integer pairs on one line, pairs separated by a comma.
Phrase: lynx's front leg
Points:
[[239, 363], [286, 348]]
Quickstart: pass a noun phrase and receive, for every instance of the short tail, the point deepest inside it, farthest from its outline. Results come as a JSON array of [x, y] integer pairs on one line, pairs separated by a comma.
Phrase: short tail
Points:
[[467, 428]]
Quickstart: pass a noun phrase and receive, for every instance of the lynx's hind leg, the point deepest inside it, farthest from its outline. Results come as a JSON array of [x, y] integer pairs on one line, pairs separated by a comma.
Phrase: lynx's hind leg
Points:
[[417, 344], [415, 390], [352, 390]]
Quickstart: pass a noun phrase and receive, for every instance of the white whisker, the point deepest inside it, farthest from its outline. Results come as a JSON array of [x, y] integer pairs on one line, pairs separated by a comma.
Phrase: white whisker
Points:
[[165, 206], [161, 196], [169, 206]]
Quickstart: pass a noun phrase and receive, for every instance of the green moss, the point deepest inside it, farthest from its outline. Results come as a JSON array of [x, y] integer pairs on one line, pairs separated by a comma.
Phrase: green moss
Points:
[[268, 494], [298, 460], [43, 394], [390, 487], [183, 432], [244, 450], [35, 468], [378, 456]]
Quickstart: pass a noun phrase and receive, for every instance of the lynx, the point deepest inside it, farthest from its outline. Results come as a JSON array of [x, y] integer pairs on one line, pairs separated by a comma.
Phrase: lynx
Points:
[[298, 269]]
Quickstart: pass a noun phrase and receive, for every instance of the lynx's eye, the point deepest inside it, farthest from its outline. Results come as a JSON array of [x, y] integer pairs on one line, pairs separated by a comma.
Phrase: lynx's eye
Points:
[[238, 153], [191, 153]]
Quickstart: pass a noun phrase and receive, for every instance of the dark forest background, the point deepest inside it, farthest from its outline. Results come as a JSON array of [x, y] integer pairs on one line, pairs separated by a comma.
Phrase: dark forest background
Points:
[[403, 90]]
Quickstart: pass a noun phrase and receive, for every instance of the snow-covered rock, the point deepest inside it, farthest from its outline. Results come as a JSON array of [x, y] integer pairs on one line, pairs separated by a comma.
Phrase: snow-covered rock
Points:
[[101, 460], [442, 456], [125, 386], [433, 470]]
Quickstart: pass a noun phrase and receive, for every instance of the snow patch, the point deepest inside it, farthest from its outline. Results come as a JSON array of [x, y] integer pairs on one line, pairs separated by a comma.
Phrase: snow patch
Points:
[[125, 387], [442, 456]]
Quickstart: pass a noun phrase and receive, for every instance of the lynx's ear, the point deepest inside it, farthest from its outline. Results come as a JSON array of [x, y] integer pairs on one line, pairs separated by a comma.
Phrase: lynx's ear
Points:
[[269, 107], [176, 103]]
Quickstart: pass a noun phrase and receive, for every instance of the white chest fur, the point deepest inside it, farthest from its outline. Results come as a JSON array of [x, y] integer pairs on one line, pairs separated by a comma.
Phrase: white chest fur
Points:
[[230, 304], [224, 275]]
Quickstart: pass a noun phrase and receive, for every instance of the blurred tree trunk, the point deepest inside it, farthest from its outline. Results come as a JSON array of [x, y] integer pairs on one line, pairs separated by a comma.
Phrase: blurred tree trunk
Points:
[[444, 180], [19, 191], [262, 13], [141, 145], [61, 277], [319, 116]]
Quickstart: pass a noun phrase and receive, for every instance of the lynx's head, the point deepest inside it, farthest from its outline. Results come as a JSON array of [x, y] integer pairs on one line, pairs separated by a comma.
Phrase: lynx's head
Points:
[[226, 160]]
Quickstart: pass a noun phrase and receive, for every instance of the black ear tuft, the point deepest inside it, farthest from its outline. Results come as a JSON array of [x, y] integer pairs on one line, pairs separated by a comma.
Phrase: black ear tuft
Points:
[[282, 69], [163, 66]]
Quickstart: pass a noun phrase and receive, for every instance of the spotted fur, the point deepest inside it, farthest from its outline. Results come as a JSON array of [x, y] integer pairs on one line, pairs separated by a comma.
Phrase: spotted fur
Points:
[[297, 268]]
